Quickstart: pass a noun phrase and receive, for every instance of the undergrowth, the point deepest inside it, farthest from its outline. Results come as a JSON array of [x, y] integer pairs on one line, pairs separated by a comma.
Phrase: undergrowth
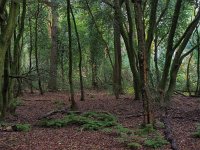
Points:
[[87, 121], [155, 142], [197, 133], [133, 139], [23, 127]]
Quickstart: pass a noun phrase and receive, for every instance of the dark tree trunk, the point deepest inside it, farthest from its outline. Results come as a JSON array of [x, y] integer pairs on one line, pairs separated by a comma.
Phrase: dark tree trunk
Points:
[[117, 86], [80, 57], [5, 85], [131, 51], [197, 92], [36, 49], [170, 51], [73, 103], [30, 52]]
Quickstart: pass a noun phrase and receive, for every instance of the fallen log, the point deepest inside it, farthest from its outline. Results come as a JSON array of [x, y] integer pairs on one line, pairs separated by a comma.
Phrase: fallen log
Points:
[[168, 132], [61, 111]]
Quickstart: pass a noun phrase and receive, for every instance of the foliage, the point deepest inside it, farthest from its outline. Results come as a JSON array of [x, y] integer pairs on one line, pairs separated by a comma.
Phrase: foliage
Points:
[[134, 145], [121, 129], [145, 130], [23, 127], [155, 142], [59, 104], [197, 133], [16, 102], [87, 121]]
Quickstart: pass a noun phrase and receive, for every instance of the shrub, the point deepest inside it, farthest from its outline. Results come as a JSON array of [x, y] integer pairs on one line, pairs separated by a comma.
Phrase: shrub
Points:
[[145, 130], [197, 133], [134, 145], [14, 104], [155, 142], [87, 121], [23, 127]]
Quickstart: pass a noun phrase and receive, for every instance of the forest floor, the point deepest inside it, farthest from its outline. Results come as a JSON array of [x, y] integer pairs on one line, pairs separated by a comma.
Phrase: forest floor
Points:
[[184, 115]]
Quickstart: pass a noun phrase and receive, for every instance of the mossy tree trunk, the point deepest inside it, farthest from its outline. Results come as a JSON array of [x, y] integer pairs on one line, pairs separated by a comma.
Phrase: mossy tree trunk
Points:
[[5, 39]]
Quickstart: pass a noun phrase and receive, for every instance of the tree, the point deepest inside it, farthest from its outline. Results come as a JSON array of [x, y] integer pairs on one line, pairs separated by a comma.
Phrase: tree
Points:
[[80, 56], [54, 48], [5, 38], [73, 103], [117, 85]]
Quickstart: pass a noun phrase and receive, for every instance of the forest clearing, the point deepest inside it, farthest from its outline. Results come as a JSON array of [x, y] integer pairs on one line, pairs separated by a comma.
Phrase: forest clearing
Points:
[[99, 74]]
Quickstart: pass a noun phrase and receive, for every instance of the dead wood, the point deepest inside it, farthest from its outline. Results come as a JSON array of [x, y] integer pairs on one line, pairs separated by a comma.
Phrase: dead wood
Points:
[[168, 132], [61, 111]]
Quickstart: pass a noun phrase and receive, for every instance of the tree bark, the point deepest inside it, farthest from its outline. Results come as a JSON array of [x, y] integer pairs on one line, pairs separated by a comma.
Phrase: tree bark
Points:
[[80, 56], [188, 75], [5, 42], [52, 84], [30, 52], [73, 103], [143, 64], [36, 49], [117, 86]]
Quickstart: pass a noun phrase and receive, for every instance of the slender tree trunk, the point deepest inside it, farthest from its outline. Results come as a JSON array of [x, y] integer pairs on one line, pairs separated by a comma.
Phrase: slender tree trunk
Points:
[[188, 75], [73, 103], [30, 52], [52, 85], [132, 56], [5, 85], [36, 50], [157, 72], [80, 56], [143, 64], [117, 86], [62, 68], [170, 51]]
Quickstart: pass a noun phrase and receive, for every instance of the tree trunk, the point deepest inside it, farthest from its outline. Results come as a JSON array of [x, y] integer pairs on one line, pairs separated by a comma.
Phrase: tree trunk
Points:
[[73, 103], [132, 56], [143, 64], [170, 51], [117, 87], [5, 42], [188, 75], [5, 85], [36, 49], [157, 72], [30, 52], [52, 84], [197, 92], [80, 56]]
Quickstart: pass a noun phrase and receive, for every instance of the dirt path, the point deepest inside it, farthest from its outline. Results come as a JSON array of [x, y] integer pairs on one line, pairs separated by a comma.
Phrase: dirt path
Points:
[[184, 114]]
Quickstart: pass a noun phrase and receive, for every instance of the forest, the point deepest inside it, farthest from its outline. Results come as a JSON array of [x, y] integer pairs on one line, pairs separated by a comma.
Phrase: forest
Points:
[[99, 74]]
